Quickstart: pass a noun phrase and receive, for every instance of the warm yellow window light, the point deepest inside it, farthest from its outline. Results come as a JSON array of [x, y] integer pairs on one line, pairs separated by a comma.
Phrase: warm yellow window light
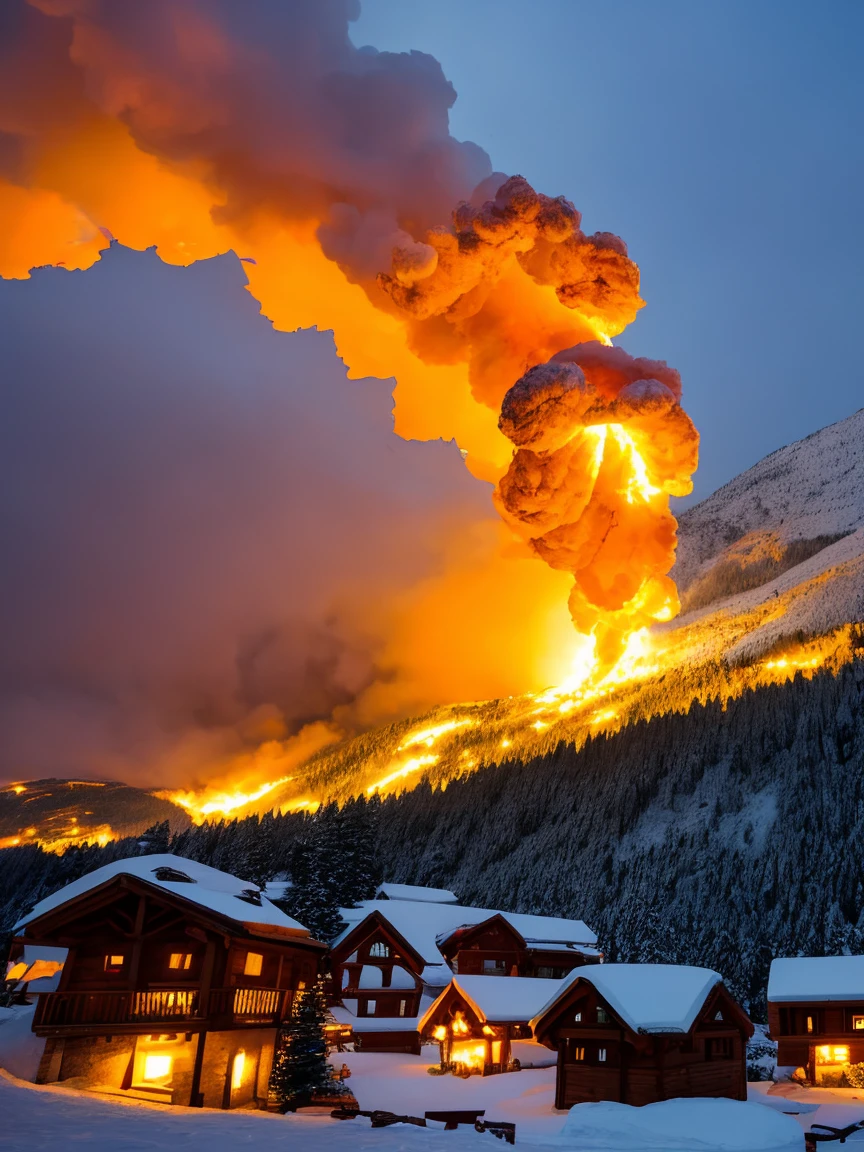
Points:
[[440, 1032], [809, 1023], [858, 1023], [459, 1025], [841, 1054], [487, 1031], [237, 1069], [112, 963], [254, 961], [180, 960], [157, 1066]]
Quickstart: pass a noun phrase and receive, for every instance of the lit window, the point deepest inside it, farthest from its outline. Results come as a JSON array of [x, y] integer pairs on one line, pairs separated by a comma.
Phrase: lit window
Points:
[[577, 1017], [403, 1004], [578, 1054], [114, 963], [370, 1007], [857, 1023], [180, 960], [810, 1023], [601, 1055], [381, 951], [157, 1066], [237, 1069], [254, 960]]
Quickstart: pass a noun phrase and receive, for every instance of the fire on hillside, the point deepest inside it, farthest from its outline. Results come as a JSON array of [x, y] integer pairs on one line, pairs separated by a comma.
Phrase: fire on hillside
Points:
[[651, 679]]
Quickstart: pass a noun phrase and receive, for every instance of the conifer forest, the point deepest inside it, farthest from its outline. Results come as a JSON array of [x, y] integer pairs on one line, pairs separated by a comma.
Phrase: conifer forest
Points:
[[720, 837]]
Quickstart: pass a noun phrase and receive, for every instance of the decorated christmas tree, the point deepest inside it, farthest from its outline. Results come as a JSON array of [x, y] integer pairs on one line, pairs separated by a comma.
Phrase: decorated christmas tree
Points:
[[300, 1069]]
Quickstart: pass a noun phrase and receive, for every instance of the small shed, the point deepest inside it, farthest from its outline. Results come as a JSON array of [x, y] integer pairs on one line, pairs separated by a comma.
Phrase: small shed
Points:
[[475, 1019], [816, 1014], [639, 1033]]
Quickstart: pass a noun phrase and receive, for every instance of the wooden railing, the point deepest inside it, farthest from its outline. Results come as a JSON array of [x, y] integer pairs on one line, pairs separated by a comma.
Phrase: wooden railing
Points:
[[250, 1005], [226, 1007]]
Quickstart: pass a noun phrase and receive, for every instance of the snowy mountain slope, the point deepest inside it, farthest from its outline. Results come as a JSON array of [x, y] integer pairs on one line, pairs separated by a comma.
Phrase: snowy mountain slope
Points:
[[780, 548], [812, 488]]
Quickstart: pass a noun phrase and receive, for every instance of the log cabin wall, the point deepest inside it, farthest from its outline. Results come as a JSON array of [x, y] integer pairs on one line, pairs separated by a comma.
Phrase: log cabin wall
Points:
[[490, 949], [818, 1036], [601, 1058]]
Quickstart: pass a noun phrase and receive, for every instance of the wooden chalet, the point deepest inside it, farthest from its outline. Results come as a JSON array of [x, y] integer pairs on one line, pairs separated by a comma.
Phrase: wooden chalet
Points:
[[176, 980], [495, 947], [394, 958], [377, 975], [816, 1014], [476, 1018], [639, 1033]]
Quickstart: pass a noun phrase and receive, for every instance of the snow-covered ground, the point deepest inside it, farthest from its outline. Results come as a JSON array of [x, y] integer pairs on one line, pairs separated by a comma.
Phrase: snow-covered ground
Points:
[[37, 1118], [51, 1117]]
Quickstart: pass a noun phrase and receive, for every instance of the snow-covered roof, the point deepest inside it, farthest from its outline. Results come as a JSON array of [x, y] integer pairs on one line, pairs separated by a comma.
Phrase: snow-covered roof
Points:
[[425, 925], [653, 997], [216, 891], [416, 892], [816, 978], [379, 1023], [500, 999]]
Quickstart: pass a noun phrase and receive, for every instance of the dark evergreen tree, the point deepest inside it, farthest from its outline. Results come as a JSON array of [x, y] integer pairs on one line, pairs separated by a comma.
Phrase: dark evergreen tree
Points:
[[156, 838], [311, 899], [300, 1067]]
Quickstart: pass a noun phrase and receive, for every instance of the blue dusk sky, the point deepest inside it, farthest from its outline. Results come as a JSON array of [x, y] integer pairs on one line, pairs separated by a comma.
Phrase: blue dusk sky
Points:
[[723, 142]]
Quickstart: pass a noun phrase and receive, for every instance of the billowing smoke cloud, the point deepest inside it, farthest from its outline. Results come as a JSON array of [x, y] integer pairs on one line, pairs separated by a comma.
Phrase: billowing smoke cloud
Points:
[[209, 533], [601, 438], [204, 125]]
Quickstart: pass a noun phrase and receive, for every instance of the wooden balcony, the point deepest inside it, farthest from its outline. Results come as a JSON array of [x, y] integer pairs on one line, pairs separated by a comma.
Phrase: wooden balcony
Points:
[[163, 1009]]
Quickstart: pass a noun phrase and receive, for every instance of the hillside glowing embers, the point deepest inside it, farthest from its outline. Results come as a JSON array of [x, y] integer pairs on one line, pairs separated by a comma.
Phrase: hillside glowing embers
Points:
[[653, 677]]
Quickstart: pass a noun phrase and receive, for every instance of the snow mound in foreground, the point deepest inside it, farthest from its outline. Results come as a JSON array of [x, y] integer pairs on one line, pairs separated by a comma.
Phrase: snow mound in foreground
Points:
[[700, 1125]]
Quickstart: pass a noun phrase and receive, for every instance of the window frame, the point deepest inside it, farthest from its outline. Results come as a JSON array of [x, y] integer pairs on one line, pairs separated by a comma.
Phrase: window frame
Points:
[[110, 967], [260, 967], [719, 1048]]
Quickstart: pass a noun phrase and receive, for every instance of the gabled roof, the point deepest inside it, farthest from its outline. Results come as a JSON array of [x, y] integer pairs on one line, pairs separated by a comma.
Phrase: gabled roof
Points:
[[416, 892], [499, 999], [425, 925], [358, 930], [816, 978], [206, 887], [645, 997]]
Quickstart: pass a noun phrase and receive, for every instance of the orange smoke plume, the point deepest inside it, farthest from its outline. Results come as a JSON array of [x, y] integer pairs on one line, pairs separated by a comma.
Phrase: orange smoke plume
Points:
[[201, 126]]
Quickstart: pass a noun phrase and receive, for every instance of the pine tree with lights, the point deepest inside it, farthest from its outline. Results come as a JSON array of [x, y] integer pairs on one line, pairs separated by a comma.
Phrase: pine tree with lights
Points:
[[300, 1069]]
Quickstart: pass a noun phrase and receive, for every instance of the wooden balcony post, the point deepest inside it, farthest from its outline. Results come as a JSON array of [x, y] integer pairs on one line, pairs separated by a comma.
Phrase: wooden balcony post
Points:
[[135, 958], [207, 975], [196, 1096]]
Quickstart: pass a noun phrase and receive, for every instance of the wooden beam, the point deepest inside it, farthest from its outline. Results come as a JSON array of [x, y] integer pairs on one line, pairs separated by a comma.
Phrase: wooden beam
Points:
[[135, 960], [196, 1097]]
